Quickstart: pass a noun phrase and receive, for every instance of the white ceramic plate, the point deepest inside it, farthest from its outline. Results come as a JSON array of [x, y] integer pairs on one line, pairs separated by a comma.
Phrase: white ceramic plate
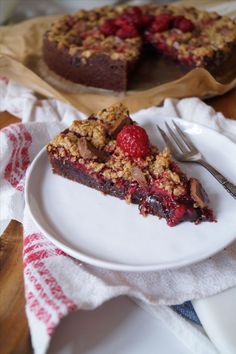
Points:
[[107, 232]]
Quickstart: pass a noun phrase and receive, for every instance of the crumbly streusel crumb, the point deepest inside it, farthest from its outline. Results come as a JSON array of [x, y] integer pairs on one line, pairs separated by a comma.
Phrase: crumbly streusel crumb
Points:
[[65, 141], [161, 163], [93, 130], [111, 114]]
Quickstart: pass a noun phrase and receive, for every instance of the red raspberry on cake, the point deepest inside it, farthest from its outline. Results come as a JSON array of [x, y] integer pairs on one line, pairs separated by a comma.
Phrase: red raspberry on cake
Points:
[[121, 22], [120, 27], [133, 140], [161, 23], [182, 23], [128, 31], [147, 20], [109, 27], [134, 15]]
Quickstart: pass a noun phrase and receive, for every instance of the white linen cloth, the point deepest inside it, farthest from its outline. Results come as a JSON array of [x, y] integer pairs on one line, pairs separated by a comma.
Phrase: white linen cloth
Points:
[[55, 283]]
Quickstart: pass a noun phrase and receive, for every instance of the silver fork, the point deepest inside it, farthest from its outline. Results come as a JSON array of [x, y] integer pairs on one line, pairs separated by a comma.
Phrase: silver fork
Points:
[[187, 152]]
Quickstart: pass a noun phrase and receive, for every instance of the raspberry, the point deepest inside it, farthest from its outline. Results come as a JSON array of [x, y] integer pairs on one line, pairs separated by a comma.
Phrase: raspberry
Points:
[[183, 24], [133, 15], [108, 27], [177, 20], [133, 140], [161, 23], [121, 21], [128, 31], [147, 20], [135, 10]]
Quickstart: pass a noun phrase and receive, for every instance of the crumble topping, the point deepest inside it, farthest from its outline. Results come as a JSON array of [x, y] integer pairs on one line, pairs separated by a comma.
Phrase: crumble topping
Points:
[[79, 34], [167, 178], [170, 181], [161, 162], [92, 130], [113, 113], [65, 141]]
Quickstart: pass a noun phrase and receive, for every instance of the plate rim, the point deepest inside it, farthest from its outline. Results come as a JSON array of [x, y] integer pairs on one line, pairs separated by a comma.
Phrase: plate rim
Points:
[[95, 261]]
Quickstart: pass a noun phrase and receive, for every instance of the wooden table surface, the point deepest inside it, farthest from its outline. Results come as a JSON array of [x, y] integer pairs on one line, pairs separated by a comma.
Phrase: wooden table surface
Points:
[[14, 332]]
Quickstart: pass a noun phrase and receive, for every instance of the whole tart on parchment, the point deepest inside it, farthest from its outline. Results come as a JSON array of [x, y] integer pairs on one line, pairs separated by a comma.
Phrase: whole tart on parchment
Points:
[[105, 47]]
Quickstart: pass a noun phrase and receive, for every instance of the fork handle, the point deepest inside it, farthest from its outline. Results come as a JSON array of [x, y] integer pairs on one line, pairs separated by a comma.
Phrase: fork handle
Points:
[[230, 187]]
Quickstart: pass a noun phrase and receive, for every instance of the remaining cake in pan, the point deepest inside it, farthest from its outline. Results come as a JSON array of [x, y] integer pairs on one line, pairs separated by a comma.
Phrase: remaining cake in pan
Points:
[[100, 47], [111, 153]]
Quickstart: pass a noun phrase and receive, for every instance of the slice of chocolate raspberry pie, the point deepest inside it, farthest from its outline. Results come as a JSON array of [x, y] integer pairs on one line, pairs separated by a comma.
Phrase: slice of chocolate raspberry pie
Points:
[[112, 153]]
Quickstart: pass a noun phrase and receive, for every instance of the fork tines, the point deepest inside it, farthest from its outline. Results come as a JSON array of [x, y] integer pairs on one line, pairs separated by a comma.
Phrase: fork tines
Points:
[[166, 139], [184, 137], [180, 139]]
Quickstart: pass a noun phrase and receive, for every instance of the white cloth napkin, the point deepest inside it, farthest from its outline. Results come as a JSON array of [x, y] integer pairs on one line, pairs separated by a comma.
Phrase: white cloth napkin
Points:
[[55, 283]]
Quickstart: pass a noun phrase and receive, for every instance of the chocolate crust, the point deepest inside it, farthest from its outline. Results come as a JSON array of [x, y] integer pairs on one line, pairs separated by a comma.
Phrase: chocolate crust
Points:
[[97, 71]]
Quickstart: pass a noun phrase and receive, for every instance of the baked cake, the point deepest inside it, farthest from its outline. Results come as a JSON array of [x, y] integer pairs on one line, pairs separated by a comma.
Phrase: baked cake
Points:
[[100, 47], [111, 153]]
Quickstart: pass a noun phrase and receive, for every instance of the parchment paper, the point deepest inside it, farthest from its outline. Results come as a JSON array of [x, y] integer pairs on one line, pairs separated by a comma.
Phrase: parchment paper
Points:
[[21, 53]]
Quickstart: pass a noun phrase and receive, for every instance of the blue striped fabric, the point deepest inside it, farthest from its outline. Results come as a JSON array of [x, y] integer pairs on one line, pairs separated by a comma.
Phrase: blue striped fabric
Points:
[[187, 311]]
